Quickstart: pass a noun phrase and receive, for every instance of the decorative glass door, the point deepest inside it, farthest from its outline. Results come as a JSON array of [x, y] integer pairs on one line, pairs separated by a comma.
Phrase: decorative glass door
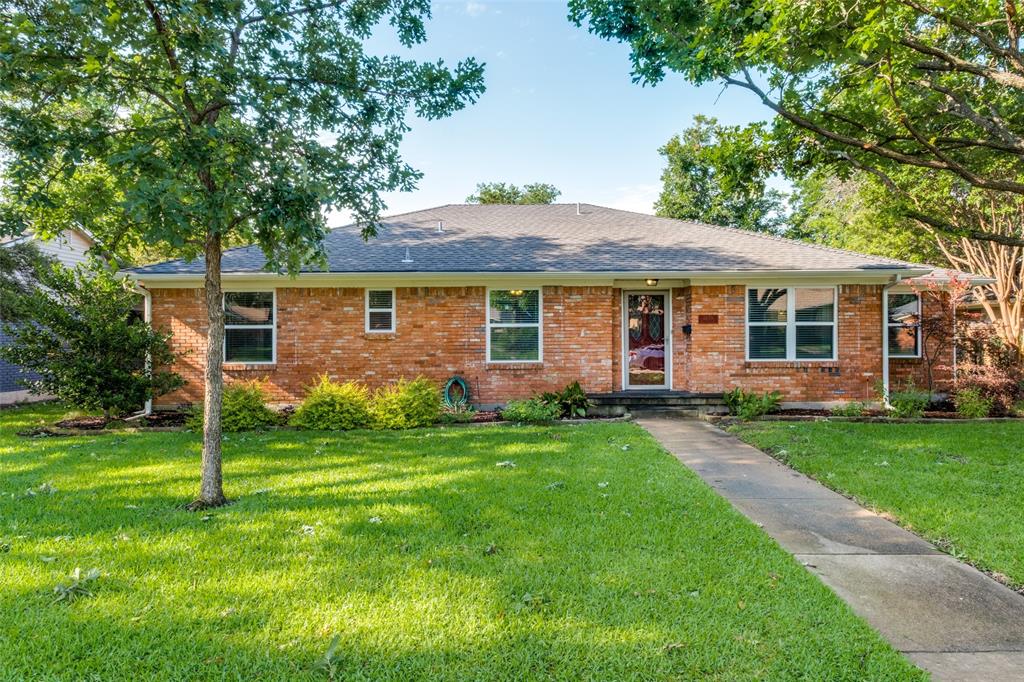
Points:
[[646, 347]]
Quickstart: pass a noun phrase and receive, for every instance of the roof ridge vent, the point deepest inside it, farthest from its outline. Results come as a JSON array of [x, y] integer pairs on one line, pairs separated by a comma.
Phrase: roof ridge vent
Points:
[[408, 258]]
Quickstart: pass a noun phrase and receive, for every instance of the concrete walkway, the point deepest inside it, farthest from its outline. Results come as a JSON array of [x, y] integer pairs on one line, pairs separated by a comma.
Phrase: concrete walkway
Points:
[[947, 617]]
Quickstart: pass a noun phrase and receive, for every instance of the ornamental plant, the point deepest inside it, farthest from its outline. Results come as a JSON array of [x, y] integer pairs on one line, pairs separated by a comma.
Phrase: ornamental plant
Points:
[[245, 409], [406, 405], [331, 406]]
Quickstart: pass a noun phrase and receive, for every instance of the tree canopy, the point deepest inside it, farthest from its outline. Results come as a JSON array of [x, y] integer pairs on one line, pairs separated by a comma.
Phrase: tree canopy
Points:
[[887, 87], [715, 174], [507, 193], [211, 123]]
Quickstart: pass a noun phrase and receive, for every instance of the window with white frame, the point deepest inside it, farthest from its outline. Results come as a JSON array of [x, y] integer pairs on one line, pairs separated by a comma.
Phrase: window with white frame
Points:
[[904, 325], [513, 325], [380, 310], [791, 323], [249, 334]]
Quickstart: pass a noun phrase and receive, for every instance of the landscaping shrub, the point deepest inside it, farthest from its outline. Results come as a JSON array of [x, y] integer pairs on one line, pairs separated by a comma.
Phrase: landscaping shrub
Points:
[[330, 406], [571, 401], [532, 411], [1001, 382], [853, 409], [908, 401], [750, 405], [406, 405], [972, 404], [457, 414], [244, 409]]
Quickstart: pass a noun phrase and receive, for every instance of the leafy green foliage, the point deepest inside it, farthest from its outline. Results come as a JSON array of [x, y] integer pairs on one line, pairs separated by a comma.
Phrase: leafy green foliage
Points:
[[406, 405], [21, 265], [957, 485], [850, 409], [271, 594], [507, 193], [459, 414], [330, 406], [531, 411], [81, 337], [245, 409], [859, 214], [572, 401], [717, 174], [972, 404], [750, 405], [909, 92], [908, 401]]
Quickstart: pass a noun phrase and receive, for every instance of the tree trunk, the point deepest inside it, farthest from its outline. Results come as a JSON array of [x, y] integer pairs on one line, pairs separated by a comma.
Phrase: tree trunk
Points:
[[211, 488]]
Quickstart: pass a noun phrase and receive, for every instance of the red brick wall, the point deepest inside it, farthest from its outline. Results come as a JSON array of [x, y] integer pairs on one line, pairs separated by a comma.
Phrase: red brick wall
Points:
[[439, 332], [716, 352]]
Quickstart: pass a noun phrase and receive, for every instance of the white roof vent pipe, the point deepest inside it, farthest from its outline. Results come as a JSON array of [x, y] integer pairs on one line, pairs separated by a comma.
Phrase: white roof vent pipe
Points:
[[578, 208], [408, 258], [440, 226]]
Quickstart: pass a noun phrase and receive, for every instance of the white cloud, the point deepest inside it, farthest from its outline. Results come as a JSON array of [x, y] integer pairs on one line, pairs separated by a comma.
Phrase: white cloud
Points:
[[475, 9], [638, 198]]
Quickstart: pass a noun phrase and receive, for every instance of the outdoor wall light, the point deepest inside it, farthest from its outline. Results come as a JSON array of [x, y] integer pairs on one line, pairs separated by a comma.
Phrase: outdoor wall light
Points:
[[651, 282]]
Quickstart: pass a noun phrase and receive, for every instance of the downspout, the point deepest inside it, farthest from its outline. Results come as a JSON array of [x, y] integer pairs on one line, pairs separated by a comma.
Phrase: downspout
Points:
[[885, 340]]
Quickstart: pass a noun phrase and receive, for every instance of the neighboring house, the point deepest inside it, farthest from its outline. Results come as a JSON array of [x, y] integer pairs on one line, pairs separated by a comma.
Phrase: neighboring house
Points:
[[69, 248], [521, 299]]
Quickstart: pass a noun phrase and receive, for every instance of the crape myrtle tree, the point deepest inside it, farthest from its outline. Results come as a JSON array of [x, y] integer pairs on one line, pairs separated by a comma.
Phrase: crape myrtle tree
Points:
[[904, 90], [218, 121]]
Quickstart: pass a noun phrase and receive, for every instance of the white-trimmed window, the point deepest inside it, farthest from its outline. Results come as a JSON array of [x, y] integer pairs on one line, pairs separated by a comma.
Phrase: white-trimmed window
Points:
[[249, 333], [791, 323], [904, 325], [380, 310], [514, 325]]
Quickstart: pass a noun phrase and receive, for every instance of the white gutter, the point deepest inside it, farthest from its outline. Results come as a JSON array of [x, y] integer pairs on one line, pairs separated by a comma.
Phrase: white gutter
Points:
[[454, 276]]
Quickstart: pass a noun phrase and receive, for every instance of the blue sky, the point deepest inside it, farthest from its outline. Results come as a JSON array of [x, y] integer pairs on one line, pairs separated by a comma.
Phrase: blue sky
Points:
[[560, 107]]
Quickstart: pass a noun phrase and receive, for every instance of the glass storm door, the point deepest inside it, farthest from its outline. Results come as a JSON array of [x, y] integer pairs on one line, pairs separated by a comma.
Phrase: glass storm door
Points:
[[646, 349]]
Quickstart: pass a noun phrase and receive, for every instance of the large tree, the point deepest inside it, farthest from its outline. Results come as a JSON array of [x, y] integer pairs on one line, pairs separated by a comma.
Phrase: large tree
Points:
[[717, 174], [883, 86], [222, 120], [507, 193]]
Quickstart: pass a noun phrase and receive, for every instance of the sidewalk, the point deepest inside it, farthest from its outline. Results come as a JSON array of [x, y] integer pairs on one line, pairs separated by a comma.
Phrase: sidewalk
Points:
[[947, 617]]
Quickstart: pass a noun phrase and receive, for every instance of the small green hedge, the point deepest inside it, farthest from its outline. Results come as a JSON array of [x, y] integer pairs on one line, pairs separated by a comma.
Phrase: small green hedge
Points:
[[532, 411], [330, 406], [244, 409], [406, 405]]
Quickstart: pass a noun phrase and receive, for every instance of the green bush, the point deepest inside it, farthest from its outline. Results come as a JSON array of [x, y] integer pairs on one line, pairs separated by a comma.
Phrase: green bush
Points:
[[244, 409], [458, 414], [532, 411], [853, 409], [330, 406], [908, 402], [971, 403], [571, 401], [750, 405], [406, 405]]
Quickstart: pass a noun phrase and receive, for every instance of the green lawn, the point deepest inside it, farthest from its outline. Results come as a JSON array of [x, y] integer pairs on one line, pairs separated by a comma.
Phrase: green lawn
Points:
[[959, 485], [597, 556]]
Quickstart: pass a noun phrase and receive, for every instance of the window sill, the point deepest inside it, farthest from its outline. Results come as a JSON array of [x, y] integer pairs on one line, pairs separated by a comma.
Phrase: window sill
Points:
[[249, 366], [794, 364], [905, 358], [514, 366]]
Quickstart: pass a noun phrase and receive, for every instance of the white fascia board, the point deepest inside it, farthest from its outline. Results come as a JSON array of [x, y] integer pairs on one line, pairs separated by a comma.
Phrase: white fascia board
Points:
[[620, 278]]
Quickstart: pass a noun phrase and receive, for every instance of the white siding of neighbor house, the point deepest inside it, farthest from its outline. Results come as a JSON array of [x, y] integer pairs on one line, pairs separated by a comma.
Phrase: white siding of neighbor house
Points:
[[69, 247]]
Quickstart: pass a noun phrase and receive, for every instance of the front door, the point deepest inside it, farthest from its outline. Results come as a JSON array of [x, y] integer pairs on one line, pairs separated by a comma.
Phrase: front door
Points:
[[646, 344]]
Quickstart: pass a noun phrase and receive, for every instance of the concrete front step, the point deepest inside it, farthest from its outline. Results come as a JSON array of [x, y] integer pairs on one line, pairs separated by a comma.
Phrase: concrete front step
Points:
[[656, 402]]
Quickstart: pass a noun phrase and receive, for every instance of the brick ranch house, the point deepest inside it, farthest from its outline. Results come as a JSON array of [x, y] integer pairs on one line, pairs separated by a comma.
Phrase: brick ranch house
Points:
[[522, 299]]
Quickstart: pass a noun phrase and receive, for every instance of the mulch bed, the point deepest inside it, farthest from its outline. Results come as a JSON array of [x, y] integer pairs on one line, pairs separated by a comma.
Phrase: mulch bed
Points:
[[83, 423]]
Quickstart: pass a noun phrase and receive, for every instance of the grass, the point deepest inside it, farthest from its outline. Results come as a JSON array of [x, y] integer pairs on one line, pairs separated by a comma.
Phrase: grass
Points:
[[959, 485], [597, 556]]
